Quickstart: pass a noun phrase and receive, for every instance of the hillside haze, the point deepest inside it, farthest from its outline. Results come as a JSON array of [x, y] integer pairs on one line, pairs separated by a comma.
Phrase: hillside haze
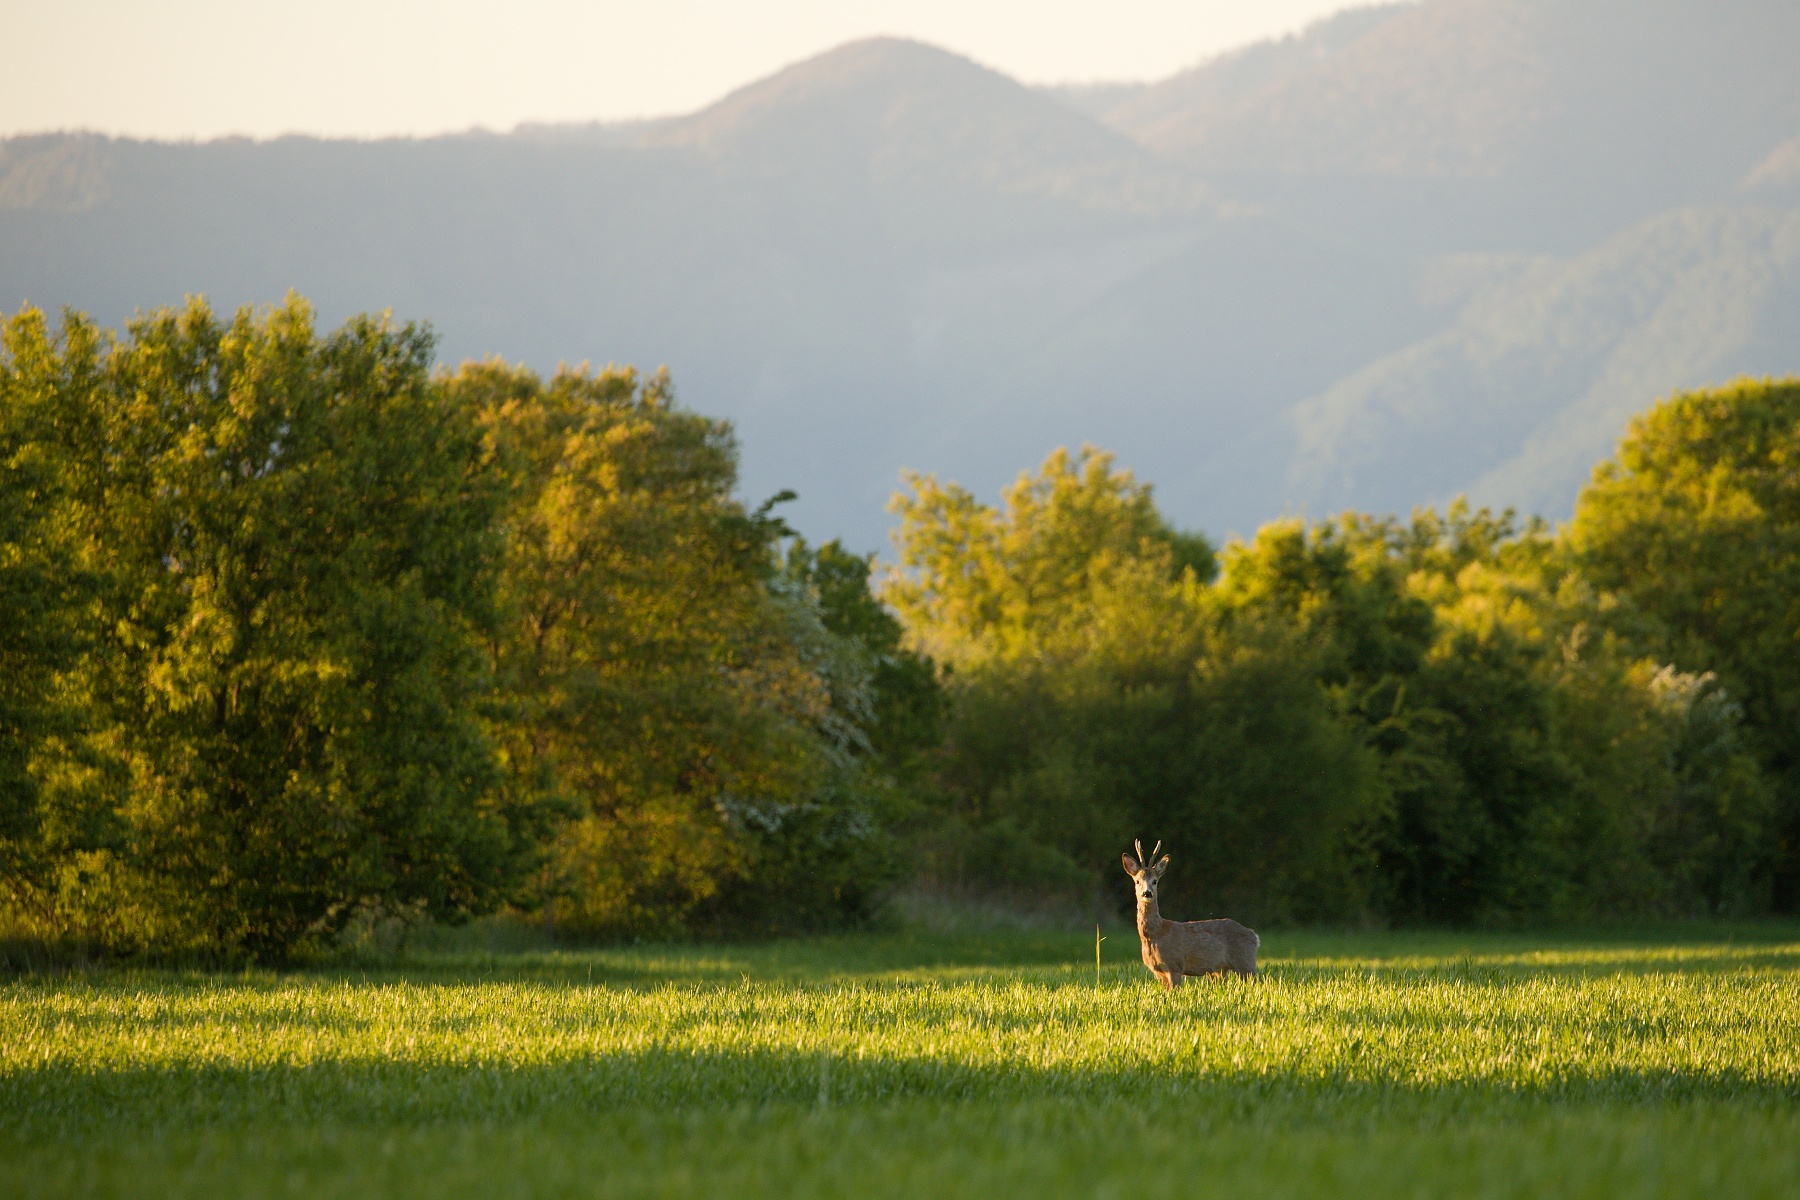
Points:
[[1413, 251]]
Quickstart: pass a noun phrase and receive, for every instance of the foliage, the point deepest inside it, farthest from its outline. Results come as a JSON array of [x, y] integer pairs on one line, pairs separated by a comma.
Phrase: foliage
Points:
[[300, 635], [292, 538], [1534, 766], [41, 585], [662, 677], [908, 701], [981, 584], [1096, 696], [1426, 721], [1695, 527]]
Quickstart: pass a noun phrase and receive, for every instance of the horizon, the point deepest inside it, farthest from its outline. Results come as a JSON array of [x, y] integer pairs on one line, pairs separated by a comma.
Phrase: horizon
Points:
[[201, 70]]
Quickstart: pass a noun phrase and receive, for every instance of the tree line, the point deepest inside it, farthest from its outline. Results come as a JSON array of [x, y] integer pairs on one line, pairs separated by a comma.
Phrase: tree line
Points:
[[295, 632]]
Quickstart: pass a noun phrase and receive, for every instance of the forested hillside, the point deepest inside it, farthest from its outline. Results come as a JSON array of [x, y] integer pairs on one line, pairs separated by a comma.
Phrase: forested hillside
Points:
[[1415, 251]]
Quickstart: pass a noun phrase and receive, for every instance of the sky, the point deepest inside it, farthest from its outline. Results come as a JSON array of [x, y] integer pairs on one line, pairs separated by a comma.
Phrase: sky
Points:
[[374, 68]]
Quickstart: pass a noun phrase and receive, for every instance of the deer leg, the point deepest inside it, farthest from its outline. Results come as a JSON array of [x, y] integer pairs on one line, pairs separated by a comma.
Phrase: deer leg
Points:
[[1171, 979]]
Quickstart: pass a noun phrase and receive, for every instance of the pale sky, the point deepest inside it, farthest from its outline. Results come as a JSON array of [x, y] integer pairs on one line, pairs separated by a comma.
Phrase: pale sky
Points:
[[371, 68]]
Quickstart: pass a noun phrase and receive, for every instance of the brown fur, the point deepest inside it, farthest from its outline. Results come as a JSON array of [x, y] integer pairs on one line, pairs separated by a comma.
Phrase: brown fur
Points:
[[1174, 949]]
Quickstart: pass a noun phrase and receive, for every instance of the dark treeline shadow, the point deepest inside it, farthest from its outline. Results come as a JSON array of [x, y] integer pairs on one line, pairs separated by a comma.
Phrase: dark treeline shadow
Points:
[[55, 1102]]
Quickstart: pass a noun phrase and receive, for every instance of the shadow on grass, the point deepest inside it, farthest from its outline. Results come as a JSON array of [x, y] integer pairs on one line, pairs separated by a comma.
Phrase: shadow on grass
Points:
[[816, 967], [1391, 946], [1687, 947], [1475, 957], [465, 956], [835, 959], [61, 1102]]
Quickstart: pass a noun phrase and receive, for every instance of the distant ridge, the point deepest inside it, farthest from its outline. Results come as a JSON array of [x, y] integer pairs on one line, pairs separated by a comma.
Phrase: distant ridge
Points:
[[54, 172], [900, 113], [1411, 251], [1576, 115], [1175, 113], [1547, 366]]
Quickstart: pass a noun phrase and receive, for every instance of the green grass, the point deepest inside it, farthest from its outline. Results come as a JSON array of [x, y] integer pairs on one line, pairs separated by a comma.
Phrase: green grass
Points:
[[1661, 1063]]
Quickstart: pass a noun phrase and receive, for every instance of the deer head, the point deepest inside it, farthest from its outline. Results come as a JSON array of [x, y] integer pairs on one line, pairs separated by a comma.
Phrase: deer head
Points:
[[1145, 876]]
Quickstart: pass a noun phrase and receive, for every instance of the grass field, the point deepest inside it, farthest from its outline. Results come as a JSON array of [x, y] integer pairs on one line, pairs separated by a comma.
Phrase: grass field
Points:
[[974, 1064]]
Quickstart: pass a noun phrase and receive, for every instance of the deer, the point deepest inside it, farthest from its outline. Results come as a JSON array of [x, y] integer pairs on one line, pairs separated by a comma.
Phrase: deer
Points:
[[1174, 949]]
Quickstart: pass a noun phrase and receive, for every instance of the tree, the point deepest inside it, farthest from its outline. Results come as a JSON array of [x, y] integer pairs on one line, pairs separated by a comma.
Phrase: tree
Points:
[[1096, 699], [676, 690], [294, 536], [1535, 765], [907, 719], [42, 589], [1693, 528], [980, 584], [1434, 720]]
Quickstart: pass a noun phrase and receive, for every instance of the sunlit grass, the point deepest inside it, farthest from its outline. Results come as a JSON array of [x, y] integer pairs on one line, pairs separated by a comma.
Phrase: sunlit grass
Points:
[[935, 1062]]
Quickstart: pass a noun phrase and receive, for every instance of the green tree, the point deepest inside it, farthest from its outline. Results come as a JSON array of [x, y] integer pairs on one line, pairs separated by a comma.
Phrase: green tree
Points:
[[664, 678], [907, 719], [1694, 528], [294, 535], [42, 590], [1419, 645], [1095, 699], [1535, 765], [1437, 720], [979, 583]]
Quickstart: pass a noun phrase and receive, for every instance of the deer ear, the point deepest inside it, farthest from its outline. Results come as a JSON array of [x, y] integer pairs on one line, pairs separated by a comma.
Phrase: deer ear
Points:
[[1131, 866], [1162, 864]]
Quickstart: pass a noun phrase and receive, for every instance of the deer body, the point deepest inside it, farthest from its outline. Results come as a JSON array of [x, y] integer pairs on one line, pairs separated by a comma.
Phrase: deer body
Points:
[[1175, 949]]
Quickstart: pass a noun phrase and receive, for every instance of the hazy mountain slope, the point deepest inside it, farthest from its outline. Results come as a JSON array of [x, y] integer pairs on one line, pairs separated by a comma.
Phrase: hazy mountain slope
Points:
[[487, 233], [1175, 112], [1736, 314], [1477, 87], [54, 173], [1534, 382], [1188, 367], [1507, 124], [832, 258], [891, 113], [1409, 252], [1124, 321], [1093, 99]]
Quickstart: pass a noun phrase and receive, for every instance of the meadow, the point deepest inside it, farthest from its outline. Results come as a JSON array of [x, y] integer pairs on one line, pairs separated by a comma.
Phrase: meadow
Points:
[[981, 1062]]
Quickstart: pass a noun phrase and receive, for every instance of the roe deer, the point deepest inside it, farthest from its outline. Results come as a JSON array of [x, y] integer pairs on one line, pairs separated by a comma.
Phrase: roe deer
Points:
[[1173, 949]]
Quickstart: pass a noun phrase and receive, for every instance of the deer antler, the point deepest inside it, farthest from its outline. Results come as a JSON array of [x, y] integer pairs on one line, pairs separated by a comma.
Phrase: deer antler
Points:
[[1158, 847], [1139, 847]]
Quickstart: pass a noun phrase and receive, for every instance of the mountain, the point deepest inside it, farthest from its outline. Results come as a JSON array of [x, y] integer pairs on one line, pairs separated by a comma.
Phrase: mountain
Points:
[[1532, 124], [1542, 368], [900, 122], [1175, 113], [1412, 251], [816, 256]]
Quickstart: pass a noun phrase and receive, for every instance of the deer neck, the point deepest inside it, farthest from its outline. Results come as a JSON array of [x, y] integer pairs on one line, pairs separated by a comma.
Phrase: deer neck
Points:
[[1150, 921]]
